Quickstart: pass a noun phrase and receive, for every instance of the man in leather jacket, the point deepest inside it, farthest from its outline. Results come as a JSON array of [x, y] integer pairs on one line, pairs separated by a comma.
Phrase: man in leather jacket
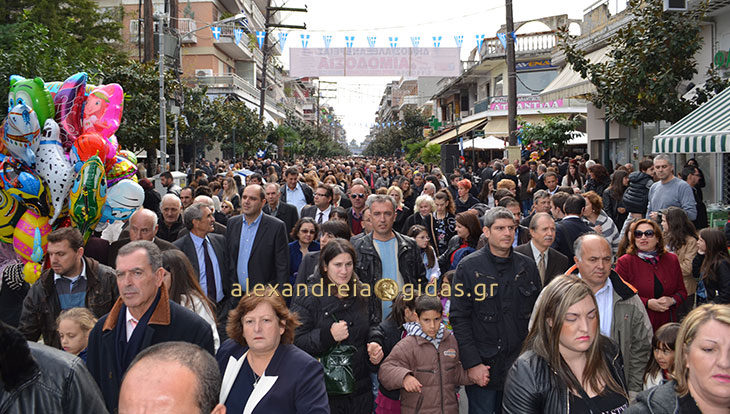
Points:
[[493, 293]]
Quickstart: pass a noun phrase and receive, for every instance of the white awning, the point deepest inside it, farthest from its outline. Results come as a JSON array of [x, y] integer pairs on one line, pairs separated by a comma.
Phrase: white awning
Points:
[[578, 138], [569, 83], [485, 143], [458, 131]]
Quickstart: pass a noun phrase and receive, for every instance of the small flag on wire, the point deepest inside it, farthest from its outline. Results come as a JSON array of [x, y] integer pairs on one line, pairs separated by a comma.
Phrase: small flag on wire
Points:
[[480, 39], [216, 32], [349, 40], [237, 33], [459, 40], [327, 40], [437, 41], [393, 41], [502, 39], [282, 38], [371, 40], [305, 40], [260, 36], [415, 40]]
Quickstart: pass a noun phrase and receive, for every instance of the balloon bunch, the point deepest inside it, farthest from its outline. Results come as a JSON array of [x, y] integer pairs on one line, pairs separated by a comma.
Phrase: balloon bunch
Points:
[[61, 165]]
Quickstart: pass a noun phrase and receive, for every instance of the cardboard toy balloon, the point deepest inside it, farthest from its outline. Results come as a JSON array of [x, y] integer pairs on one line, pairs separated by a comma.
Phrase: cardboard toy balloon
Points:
[[122, 200], [10, 212], [30, 237], [103, 110], [88, 195], [31, 92], [24, 185], [22, 133], [69, 102], [54, 168]]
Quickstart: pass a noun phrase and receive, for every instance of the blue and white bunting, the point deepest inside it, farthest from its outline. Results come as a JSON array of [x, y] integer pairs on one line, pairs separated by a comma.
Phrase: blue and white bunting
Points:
[[216, 32], [349, 40], [260, 153], [503, 39], [260, 37], [480, 39], [415, 40], [393, 41], [305, 40], [371, 40], [237, 33], [459, 40], [282, 38], [437, 41], [327, 40]]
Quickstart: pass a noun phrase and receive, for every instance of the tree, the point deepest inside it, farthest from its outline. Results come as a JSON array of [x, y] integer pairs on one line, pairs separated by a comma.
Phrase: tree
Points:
[[431, 154], [649, 58], [551, 134], [395, 139]]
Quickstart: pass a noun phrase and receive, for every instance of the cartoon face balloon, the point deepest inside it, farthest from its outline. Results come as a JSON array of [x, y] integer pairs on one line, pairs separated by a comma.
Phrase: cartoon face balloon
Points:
[[88, 195], [21, 133], [10, 212], [24, 185], [33, 93], [30, 237], [103, 110], [54, 168], [122, 200]]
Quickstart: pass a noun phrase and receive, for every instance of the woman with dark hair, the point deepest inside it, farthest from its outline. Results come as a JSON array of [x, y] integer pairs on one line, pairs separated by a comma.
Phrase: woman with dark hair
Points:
[[329, 230], [262, 371], [338, 213], [661, 361], [599, 179], [573, 179], [442, 223], [304, 234], [468, 230], [344, 315], [681, 238], [566, 365], [613, 203], [420, 235], [486, 196], [184, 289], [654, 272], [527, 185], [711, 266]]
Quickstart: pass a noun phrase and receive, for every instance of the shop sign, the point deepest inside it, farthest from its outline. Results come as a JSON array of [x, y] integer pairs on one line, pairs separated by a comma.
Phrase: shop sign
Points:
[[534, 64], [526, 103]]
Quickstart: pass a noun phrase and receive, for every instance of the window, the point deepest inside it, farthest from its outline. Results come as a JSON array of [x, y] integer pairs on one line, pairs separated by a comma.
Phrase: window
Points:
[[530, 83], [498, 86]]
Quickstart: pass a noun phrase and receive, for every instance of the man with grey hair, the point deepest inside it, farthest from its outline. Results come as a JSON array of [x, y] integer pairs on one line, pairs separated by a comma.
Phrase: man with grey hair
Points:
[[218, 228], [550, 262], [623, 315], [540, 204], [498, 287], [669, 191], [142, 316], [207, 253], [142, 226], [385, 253], [171, 208], [279, 209], [172, 377]]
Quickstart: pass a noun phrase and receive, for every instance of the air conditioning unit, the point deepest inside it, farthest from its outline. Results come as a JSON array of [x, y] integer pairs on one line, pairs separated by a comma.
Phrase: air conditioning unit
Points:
[[675, 5], [203, 72]]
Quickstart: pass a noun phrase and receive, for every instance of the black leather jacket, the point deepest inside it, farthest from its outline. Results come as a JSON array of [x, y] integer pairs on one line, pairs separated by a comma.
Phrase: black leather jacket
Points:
[[44, 379], [532, 386]]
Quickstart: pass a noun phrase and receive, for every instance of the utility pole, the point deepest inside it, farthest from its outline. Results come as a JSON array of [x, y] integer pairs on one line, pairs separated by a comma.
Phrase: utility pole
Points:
[[511, 77], [319, 95], [270, 11], [149, 51], [163, 101]]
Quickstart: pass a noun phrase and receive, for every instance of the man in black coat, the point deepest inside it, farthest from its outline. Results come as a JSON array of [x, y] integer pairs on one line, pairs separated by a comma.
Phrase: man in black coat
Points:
[[143, 316], [142, 226], [571, 226], [257, 246], [554, 263], [279, 209]]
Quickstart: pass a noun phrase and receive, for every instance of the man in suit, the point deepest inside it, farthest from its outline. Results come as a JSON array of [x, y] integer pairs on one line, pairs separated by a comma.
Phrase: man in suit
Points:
[[322, 207], [207, 253], [571, 226], [522, 233], [257, 246], [279, 209], [142, 316], [218, 228], [142, 226], [550, 262], [294, 192]]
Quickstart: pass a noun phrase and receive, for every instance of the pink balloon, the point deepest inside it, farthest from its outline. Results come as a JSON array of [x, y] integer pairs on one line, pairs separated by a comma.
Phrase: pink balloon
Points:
[[103, 110], [69, 101]]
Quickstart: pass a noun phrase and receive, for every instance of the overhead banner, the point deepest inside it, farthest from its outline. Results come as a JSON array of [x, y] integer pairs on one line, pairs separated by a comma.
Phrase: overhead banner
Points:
[[354, 61]]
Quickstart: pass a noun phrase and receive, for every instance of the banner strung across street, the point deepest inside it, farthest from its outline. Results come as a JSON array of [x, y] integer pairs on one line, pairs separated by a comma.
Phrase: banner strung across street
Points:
[[443, 61]]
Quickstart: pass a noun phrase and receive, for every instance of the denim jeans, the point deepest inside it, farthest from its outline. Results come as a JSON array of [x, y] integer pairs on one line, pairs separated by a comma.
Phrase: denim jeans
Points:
[[483, 400]]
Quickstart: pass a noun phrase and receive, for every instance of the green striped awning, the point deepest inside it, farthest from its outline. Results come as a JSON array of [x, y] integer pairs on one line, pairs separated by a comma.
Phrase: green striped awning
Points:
[[706, 129]]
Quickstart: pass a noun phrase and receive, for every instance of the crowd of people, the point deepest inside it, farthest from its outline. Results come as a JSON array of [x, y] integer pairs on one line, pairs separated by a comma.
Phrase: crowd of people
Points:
[[361, 285]]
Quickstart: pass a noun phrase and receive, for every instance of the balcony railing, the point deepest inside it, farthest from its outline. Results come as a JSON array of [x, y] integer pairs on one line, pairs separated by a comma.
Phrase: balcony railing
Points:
[[481, 106], [185, 25], [228, 81], [541, 42]]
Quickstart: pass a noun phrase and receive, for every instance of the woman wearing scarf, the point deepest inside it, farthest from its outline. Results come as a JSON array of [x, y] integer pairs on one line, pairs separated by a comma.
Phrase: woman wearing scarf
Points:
[[654, 272]]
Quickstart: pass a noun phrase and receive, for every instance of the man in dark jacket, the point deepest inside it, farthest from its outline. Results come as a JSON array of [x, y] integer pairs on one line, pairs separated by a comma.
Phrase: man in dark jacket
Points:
[[72, 281], [39, 379], [279, 209], [143, 316], [387, 254], [636, 196], [571, 226], [171, 207], [494, 292]]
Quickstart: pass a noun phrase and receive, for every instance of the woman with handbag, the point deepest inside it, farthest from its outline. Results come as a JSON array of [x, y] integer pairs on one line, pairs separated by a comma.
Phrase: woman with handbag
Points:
[[335, 325], [262, 371]]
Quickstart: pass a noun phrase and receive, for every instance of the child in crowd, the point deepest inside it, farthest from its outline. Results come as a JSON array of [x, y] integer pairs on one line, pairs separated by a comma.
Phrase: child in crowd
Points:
[[425, 364], [661, 361], [73, 326], [387, 334], [428, 255], [445, 295]]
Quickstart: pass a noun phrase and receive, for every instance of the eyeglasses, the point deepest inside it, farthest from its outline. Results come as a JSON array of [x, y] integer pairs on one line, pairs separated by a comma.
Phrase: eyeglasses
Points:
[[359, 195], [307, 231], [639, 234], [320, 195]]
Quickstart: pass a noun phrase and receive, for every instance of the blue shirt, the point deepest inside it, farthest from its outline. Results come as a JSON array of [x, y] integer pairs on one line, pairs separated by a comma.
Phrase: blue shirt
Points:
[[604, 300], [388, 252], [248, 233], [198, 243], [296, 197]]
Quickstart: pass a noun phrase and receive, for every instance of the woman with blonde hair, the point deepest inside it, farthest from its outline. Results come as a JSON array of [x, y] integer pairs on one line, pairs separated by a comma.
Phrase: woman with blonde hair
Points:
[[229, 192], [566, 365], [701, 374], [401, 212]]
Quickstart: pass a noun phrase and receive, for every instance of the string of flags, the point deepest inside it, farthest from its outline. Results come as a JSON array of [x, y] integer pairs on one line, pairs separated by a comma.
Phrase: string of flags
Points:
[[372, 40]]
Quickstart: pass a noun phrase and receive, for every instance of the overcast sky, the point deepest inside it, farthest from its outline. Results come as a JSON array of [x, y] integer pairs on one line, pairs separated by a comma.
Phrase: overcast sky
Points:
[[356, 98]]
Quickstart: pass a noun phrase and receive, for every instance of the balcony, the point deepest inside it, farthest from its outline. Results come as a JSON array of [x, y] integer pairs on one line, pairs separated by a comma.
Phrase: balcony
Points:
[[185, 25], [529, 43], [481, 106], [228, 84], [227, 44]]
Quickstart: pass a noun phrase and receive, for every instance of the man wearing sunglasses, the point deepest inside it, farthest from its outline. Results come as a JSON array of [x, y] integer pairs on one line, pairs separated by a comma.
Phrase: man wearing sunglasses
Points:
[[358, 195]]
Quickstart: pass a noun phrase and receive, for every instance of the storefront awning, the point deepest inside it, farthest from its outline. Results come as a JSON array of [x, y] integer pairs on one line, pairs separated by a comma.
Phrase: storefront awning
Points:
[[569, 83], [485, 143], [705, 130], [458, 131]]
